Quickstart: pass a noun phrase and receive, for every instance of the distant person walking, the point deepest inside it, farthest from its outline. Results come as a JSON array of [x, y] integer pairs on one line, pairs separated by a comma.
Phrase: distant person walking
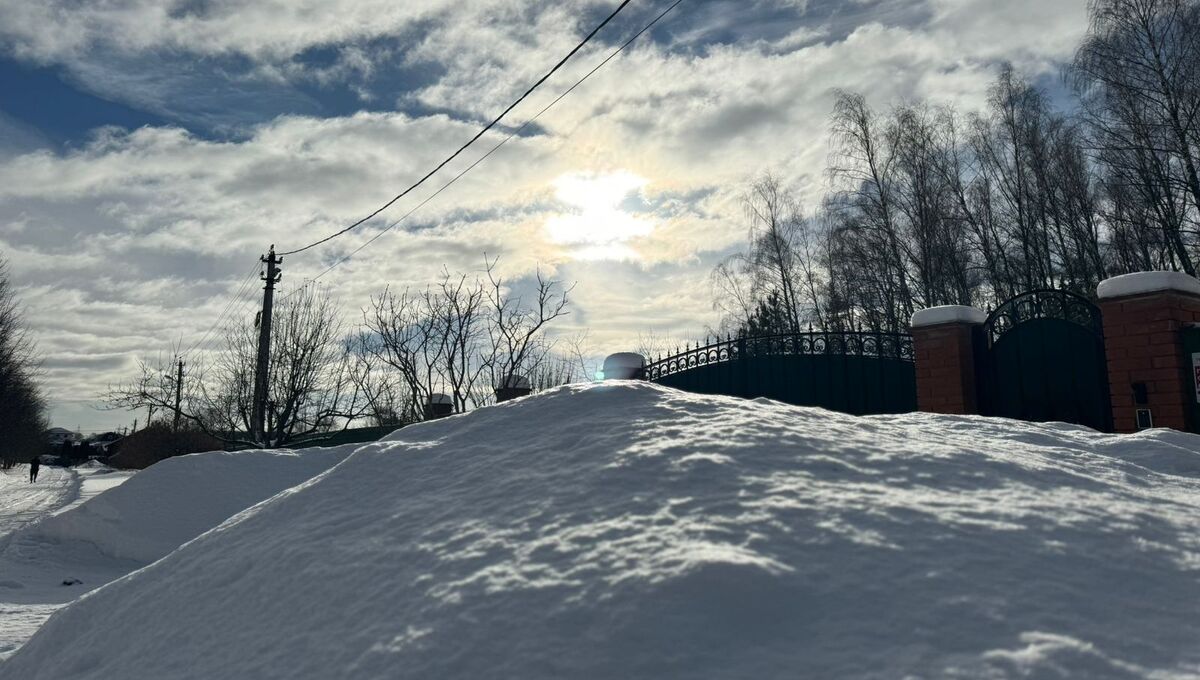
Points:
[[33, 469]]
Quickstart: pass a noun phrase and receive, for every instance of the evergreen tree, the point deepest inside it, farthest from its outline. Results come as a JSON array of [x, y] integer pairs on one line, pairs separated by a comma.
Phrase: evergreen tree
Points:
[[770, 317]]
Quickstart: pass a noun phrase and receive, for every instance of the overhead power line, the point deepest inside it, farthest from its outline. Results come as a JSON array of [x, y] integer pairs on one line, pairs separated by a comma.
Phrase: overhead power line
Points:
[[479, 134], [493, 150], [224, 312]]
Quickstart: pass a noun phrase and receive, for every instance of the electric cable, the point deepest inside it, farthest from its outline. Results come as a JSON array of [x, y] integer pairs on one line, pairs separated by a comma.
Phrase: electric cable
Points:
[[479, 134], [491, 151]]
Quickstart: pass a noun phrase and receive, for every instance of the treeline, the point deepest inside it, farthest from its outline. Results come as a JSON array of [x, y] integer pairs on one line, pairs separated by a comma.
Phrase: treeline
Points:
[[931, 206], [22, 405], [457, 339]]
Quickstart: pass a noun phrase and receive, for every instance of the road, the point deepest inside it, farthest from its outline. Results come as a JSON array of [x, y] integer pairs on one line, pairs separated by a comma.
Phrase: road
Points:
[[22, 503]]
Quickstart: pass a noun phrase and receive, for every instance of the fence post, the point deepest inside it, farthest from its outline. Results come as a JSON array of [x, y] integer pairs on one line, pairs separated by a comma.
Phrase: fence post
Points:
[[743, 368], [944, 357], [1149, 377]]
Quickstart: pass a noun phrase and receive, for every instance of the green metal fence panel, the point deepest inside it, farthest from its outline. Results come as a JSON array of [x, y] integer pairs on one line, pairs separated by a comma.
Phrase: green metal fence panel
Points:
[[857, 373]]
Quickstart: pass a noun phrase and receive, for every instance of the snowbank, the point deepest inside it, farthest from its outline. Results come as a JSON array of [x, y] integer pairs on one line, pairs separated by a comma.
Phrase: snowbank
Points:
[[624, 530], [177, 499], [109, 530]]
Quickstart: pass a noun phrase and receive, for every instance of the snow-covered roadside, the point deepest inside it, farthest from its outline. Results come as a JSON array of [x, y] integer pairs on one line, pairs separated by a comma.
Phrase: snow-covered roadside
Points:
[[114, 522]]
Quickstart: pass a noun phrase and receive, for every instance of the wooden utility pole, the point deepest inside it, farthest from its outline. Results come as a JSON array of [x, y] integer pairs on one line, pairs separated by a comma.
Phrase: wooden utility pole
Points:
[[258, 416], [178, 396]]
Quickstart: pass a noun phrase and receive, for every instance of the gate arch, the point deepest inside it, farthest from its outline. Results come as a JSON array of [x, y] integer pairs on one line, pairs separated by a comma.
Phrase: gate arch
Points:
[[1041, 358]]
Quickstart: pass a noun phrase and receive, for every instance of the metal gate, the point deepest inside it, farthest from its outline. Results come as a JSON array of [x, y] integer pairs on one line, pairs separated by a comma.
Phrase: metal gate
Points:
[[1041, 358], [859, 373]]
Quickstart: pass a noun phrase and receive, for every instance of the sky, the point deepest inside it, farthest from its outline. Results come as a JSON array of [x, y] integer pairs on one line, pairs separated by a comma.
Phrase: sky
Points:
[[152, 150]]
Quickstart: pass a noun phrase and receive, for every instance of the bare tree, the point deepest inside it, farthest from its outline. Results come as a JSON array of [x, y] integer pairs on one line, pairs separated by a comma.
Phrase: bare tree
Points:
[[868, 233], [775, 261], [517, 323], [1138, 76], [312, 386], [462, 336]]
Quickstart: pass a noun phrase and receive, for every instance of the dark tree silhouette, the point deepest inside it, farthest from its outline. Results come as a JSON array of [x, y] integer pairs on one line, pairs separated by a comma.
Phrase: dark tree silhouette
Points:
[[22, 406]]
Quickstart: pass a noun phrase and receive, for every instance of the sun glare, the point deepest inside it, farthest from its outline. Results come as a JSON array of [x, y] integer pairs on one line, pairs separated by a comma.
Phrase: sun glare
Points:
[[597, 224]]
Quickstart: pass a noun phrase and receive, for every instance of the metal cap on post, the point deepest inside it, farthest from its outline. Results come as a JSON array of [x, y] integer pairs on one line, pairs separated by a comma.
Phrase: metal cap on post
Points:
[[512, 387], [624, 366], [438, 406]]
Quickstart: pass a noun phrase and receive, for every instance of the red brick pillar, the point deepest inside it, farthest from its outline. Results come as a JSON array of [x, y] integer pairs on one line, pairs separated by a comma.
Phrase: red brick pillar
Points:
[[944, 350], [1143, 315]]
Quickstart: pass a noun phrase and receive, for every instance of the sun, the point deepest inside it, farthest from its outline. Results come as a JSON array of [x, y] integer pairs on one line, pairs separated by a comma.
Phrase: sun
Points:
[[598, 224]]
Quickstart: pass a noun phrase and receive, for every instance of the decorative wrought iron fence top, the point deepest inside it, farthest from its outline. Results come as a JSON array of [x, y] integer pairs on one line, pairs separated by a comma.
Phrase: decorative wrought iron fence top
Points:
[[864, 344], [1042, 304]]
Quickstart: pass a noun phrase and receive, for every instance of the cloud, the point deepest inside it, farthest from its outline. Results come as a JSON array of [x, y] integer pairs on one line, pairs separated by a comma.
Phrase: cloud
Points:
[[140, 237]]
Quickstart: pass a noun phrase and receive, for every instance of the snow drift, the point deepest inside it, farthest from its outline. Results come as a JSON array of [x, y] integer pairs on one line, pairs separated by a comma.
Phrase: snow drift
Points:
[[629, 531], [148, 516], [180, 498]]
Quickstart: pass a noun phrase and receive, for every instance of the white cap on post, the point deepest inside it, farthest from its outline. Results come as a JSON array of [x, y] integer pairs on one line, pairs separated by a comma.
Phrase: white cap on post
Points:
[[935, 316], [1140, 283], [623, 366]]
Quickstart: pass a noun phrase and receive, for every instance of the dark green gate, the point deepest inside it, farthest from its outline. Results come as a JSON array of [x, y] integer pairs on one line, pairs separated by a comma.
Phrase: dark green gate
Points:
[[1040, 357], [859, 373]]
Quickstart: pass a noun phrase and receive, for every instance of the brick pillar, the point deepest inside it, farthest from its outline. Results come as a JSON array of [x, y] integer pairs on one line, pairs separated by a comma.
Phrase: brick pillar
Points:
[[1143, 316], [944, 350]]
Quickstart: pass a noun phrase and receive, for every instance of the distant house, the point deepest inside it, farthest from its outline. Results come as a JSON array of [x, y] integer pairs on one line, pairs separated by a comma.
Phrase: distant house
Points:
[[59, 435]]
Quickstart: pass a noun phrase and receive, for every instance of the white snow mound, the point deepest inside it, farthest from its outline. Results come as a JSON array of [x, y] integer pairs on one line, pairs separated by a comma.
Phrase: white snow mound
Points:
[[629, 531], [173, 501]]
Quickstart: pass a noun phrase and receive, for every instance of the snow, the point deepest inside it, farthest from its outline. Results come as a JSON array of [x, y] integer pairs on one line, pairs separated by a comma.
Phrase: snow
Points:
[[934, 316], [114, 522], [625, 530], [1147, 282], [177, 499], [22, 503], [94, 479]]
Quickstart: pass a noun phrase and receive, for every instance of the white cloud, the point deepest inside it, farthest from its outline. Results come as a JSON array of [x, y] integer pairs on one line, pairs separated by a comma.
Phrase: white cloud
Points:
[[141, 236]]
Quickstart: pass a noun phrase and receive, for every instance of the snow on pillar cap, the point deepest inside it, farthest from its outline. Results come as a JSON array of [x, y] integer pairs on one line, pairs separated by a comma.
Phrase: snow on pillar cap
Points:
[[947, 314], [1147, 282], [623, 365]]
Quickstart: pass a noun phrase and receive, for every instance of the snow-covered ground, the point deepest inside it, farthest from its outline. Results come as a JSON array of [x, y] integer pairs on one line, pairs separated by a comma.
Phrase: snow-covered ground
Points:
[[91, 525], [57, 490], [22, 502], [624, 530], [94, 479]]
